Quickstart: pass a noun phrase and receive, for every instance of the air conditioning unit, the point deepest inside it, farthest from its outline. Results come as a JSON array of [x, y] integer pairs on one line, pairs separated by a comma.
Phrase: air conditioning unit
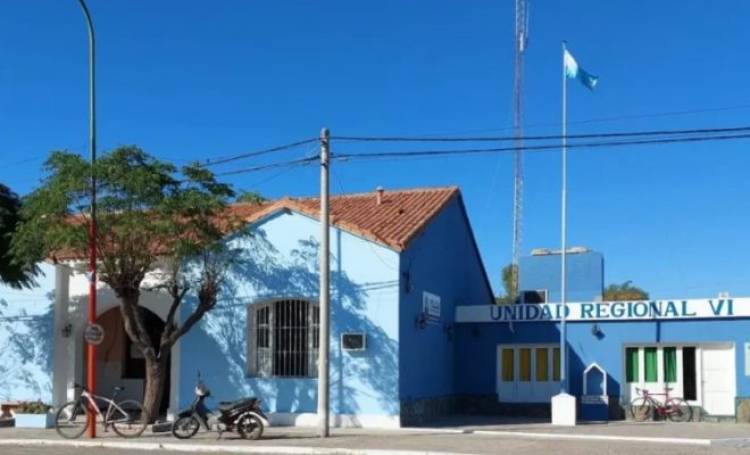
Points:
[[353, 341]]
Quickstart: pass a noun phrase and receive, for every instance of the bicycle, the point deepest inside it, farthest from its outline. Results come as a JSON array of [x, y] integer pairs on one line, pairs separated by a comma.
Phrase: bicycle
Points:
[[127, 418], [674, 408]]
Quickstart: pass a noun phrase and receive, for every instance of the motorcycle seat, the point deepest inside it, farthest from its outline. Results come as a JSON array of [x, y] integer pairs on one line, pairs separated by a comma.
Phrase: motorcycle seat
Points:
[[229, 405]]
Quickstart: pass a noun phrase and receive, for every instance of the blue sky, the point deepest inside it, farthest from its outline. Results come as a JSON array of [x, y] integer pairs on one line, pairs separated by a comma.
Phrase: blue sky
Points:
[[197, 79]]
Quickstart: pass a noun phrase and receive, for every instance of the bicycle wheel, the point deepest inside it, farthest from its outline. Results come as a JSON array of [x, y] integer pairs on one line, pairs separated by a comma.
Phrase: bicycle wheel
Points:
[[678, 410], [129, 419], [185, 427], [71, 420], [640, 408], [250, 427]]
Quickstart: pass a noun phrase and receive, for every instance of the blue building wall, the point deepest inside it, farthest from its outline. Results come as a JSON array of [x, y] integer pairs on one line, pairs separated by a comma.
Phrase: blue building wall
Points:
[[443, 261], [477, 366], [282, 262], [26, 340], [585, 275]]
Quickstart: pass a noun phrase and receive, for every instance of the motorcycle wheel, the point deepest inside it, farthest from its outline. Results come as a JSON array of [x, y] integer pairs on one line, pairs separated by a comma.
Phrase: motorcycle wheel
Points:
[[185, 427], [250, 427]]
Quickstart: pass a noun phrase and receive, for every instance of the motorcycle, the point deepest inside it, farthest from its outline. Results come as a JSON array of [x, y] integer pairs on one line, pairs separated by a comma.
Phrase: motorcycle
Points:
[[243, 416]]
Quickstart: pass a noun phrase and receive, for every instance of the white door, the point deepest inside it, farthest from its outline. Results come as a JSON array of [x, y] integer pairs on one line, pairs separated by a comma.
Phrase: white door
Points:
[[718, 379], [526, 373]]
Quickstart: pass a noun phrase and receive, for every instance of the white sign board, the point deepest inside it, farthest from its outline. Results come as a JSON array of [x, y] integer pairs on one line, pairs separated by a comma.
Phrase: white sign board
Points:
[[431, 306], [608, 311], [93, 334]]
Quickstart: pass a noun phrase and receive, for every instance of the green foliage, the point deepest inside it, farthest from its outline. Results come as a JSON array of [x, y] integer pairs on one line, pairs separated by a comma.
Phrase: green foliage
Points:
[[624, 292], [251, 197], [145, 209], [33, 407], [150, 217], [509, 277], [12, 272]]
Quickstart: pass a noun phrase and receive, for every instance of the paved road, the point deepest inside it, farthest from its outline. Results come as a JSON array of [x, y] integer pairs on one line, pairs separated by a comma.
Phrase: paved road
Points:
[[505, 447]]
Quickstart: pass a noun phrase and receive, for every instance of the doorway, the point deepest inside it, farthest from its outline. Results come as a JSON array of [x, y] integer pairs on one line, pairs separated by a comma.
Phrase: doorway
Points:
[[718, 380], [703, 374], [120, 363]]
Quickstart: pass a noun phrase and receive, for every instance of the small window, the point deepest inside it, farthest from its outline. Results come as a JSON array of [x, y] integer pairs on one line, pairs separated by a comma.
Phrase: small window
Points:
[[535, 296], [556, 364], [285, 335], [631, 364], [542, 364], [524, 364], [508, 373], [650, 367]]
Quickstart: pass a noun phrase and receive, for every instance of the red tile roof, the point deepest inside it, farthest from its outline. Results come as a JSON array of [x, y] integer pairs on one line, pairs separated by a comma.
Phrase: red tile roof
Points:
[[399, 218]]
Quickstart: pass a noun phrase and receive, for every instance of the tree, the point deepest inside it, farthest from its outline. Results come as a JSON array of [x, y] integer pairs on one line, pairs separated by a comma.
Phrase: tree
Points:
[[510, 284], [251, 197], [624, 291], [12, 272], [150, 218]]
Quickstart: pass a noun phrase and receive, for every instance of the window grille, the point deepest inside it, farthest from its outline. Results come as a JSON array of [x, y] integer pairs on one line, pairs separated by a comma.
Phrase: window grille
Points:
[[285, 339]]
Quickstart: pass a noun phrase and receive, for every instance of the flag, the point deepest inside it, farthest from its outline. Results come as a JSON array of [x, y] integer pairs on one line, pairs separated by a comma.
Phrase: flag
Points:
[[574, 71]]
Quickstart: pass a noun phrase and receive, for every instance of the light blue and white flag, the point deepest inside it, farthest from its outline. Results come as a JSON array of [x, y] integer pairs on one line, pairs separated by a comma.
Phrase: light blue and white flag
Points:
[[574, 71]]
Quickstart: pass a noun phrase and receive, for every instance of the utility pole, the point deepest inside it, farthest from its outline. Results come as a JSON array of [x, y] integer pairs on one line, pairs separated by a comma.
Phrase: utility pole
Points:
[[325, 271], [91, 348]]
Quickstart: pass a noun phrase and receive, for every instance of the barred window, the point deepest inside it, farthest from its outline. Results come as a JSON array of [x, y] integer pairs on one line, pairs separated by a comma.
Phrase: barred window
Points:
[[283, 339]]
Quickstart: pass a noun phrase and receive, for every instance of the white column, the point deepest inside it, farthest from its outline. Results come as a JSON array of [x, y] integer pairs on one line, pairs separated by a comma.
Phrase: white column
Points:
[[61, 337]]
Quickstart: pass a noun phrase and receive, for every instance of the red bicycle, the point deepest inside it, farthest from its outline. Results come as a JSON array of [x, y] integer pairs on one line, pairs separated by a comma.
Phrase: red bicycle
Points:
[[674, 408]]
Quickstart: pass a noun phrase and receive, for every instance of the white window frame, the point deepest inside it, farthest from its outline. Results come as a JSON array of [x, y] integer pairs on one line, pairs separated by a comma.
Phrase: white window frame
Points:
[[266, 370], [525, 391], [627, 389]]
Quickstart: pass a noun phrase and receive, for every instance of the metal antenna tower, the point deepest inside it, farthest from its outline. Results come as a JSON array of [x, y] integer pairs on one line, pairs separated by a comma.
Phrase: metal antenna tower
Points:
[[521, 40]]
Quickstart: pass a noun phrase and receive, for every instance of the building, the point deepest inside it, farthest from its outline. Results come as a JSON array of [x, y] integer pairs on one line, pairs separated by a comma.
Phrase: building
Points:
[[401, 261], [415, 333], [700, 348]]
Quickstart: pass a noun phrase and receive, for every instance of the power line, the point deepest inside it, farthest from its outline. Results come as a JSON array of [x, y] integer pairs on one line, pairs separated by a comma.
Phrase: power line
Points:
[[297, 162], [540, 138], [599, 120], [430, 153], [241, 156]]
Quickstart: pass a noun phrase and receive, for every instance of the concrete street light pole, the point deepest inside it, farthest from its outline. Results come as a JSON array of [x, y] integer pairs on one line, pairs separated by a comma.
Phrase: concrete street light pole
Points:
[[324, 305], [91, 348]]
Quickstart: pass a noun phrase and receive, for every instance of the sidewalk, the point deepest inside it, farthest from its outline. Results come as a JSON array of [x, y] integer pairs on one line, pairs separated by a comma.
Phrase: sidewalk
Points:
[[470, 436]]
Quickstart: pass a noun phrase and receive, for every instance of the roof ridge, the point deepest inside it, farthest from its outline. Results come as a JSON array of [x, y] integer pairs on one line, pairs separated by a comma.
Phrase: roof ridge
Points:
[[352, 195], [394, 224], [389, 191]]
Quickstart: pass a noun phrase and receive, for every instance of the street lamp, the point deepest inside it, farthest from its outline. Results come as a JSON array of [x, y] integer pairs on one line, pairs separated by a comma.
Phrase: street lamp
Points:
[[91, 348]]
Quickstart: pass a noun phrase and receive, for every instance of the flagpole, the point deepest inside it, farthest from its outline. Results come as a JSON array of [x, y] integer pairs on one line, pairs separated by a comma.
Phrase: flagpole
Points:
[[564, 231]]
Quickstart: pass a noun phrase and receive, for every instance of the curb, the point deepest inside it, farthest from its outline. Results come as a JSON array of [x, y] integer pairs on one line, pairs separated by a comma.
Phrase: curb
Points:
[[596, 437], [573, 437], [207, 448]]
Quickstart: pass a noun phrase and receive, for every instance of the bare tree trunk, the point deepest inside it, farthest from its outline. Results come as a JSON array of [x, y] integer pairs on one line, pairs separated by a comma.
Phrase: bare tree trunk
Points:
[[156, 365], [156, 380]]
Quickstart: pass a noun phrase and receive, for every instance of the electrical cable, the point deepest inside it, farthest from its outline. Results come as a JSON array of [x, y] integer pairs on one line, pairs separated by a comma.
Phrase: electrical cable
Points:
[[278, 148], [426, 153], [297, 162], [540, 138], [598, 120]]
